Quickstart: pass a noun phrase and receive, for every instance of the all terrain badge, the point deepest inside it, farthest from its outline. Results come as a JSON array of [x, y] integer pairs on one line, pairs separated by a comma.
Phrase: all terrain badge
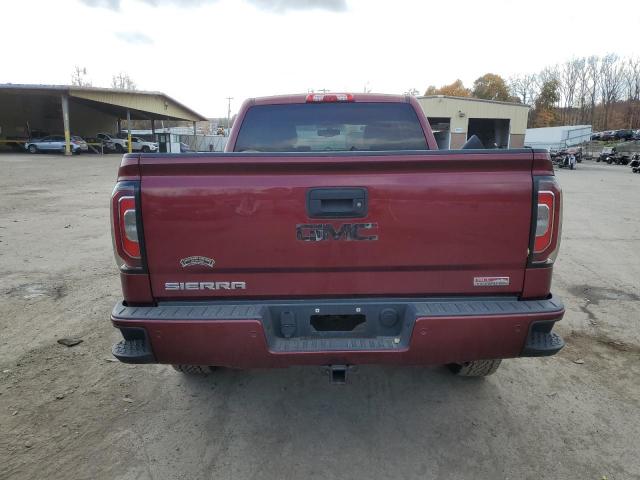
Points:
[[197, 260], [491, 281]]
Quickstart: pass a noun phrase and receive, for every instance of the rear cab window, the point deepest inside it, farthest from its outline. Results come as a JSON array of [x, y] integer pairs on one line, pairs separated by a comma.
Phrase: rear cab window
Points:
[[330, 127]]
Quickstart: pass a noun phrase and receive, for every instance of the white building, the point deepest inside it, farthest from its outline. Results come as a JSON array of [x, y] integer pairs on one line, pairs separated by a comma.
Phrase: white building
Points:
[[556, 138]]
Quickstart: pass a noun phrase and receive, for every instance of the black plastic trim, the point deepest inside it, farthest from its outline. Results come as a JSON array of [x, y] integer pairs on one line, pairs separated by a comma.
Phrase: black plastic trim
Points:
[[362, 153], [541, 341], [135, 348], [288, 328], [238, 309], [315, 197]]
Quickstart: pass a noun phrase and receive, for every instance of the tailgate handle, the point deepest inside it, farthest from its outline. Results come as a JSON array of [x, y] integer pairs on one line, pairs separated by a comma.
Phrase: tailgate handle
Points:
[[337, 202]]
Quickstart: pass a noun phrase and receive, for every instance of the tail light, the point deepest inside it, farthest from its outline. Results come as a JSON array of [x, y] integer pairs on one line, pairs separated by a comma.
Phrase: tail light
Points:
[[547, 219], [126, 227], [329, 97]]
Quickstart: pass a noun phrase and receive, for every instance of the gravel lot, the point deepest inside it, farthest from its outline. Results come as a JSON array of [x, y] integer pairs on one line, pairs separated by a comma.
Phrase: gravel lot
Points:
[[73, 413]]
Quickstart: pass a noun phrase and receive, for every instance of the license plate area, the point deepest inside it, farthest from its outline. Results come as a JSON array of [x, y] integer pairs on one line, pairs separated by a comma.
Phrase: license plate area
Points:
[[338, 320], [337, 323]]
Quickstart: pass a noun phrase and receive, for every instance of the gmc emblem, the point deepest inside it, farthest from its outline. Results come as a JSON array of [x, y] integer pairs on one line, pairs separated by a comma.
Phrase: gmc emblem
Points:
[[318, 232]]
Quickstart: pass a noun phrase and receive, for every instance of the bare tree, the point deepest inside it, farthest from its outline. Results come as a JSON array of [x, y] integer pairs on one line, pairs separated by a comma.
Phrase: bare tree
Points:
[[593, 81], [524, 87], [632, 91], [601, 91], [569, 73], [79, 77], [582, 91], [611, 81], [123, 81]]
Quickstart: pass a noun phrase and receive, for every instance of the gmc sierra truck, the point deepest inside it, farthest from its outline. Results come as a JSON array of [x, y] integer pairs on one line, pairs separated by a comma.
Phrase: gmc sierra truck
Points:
[[333, 232]]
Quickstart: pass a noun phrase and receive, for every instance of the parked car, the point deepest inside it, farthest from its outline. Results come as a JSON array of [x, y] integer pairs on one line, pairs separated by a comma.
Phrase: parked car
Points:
[[348, 266], [596, 136], [17, 142], [140, 145], [623, 135], [56, 143], [112, 142]]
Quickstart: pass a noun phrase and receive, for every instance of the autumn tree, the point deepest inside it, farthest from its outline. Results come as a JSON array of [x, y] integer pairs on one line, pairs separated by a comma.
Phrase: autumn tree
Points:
[[455, 89], [545, 113], [603, 91], [491, 87]]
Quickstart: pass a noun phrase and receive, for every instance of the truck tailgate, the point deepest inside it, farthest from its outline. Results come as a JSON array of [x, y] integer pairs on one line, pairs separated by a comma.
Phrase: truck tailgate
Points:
[[231, 225]]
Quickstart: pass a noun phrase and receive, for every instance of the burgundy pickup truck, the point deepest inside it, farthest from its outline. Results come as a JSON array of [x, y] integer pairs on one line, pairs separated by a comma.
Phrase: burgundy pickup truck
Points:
[[333, 232]]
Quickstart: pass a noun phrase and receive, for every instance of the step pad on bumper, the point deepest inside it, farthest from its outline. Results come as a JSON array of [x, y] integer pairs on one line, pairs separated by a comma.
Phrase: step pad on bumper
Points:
[[335, 344], [133, 351], [541, 344]]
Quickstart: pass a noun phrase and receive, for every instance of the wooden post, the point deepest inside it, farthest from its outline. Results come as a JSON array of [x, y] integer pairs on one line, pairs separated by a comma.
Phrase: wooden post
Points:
[[65, 123]]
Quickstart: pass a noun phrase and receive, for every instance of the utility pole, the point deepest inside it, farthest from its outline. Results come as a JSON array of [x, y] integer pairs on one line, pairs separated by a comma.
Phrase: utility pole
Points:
[[229, 114]]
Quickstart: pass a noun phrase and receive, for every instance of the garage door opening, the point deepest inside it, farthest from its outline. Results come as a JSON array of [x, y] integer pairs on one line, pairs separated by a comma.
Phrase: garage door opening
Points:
[[493, 132], [441, 128]]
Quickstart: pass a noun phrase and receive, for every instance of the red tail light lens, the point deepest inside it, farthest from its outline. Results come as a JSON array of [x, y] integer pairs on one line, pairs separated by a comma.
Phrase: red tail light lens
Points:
[[548, 221], [544, 221], [329, 97], [125, 226]]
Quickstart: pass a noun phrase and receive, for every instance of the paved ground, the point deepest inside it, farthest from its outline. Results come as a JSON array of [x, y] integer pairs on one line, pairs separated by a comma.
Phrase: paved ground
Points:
[[72, 413]]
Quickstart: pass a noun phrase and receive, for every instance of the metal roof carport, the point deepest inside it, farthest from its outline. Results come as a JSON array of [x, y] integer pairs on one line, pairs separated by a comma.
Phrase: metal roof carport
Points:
[[82, 111]]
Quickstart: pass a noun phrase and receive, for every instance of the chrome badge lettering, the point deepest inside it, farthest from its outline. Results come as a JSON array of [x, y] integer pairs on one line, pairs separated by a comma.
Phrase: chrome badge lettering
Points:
[[200, 286], [491, 281], [318, 232], [197, 260]]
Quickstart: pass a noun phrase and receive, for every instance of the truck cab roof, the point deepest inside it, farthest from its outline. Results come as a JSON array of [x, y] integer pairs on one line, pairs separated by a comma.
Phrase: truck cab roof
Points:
[[303, 98]]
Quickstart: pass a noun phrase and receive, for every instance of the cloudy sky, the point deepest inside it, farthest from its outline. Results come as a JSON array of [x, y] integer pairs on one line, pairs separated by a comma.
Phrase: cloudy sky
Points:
[[201, 51]]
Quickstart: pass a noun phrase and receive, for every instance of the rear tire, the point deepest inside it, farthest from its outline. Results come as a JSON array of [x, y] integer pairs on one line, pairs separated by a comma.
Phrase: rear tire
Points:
[[477, 368], [194, 369]]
